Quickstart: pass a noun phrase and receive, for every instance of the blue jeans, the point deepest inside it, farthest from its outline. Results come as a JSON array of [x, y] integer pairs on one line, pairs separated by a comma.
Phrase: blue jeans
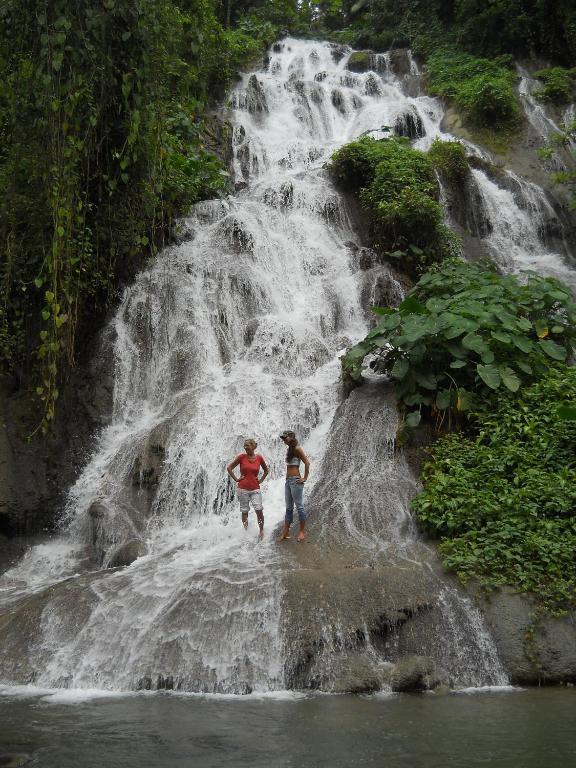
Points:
[[294, 494]]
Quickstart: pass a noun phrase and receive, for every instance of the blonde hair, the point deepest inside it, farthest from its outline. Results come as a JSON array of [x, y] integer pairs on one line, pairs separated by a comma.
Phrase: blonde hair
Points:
[[251, 441]]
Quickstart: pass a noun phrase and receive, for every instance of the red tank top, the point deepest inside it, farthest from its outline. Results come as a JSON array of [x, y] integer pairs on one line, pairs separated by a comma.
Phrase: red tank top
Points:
[[249, 471]]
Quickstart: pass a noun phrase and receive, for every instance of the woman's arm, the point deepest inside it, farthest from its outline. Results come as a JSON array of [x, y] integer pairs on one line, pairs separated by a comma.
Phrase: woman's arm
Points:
[[305, 460], [265, 468], [231, 467]]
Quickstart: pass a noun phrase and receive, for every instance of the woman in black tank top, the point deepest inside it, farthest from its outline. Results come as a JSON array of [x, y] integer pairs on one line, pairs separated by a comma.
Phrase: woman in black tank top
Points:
[[294, 487]]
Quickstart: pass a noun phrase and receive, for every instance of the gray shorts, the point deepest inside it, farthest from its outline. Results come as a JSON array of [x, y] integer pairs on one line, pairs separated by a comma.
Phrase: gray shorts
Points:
[[246, 497]]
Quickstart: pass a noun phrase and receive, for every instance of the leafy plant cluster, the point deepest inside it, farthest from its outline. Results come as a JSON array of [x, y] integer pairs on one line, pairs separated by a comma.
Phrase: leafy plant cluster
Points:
[[504, 501], [482, 89], [482, 28], [101, 145], [558, 85], [450, 160], [465, 331], [398, 187]]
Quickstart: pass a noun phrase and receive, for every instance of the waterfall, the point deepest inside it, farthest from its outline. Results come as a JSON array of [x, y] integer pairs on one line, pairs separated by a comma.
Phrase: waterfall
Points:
[[236, 332]]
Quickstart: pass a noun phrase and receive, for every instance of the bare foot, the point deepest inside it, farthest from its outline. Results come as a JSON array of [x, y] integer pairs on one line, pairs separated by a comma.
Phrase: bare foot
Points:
[[285, 533], [301, 536], [245, 524]]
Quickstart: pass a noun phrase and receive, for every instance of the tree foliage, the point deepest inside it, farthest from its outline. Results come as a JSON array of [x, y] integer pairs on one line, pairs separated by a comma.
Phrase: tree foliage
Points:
[[519, 27], [100, 147]]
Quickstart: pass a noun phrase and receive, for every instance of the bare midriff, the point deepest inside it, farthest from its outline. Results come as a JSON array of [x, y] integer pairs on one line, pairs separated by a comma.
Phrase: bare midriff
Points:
[[292, 471]]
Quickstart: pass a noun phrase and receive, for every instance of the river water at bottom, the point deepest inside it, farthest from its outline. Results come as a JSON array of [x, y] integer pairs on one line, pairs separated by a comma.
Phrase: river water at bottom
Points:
[[502, 729]]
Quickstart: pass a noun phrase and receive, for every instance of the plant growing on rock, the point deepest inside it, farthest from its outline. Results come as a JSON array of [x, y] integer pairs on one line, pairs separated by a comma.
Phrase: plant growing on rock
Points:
[[465, 331], [483, 89], [398, 186], [450, 160], [559, 85], [504, 502]]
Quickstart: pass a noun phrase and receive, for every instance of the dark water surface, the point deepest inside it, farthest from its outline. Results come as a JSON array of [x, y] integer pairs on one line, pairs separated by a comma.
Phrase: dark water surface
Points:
[[517, 729]]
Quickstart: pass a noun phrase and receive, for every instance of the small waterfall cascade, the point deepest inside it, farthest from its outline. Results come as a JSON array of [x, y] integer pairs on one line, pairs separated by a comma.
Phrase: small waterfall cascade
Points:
[[236, 332], [545, 126], [537, 116]]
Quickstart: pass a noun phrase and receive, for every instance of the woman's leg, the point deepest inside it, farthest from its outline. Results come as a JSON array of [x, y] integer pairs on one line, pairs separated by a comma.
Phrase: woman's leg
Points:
[[298, 496], [257, 503], [289, 512], [244, 500]]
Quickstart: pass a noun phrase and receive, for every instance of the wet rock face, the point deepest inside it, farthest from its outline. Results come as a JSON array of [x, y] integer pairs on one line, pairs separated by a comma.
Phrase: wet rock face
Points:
[[338, 100], [410, 125], [413, 674], [253, 99], [400, 61], [365, 605], [365, 61], [126, 553], [338, 52], [372, 86], [36, 472], [533, 652]]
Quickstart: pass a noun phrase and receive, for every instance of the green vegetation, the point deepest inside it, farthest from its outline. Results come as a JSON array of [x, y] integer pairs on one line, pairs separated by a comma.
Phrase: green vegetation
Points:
[[450, 160], [465, 331], [487, 354], [559, 85], [398, 187], [477, 352], [482, 89], [100, 147], [478, 27], [504, 501]]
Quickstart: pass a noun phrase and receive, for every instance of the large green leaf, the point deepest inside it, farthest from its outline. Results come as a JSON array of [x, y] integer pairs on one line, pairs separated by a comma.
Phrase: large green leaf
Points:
[[454, 331], [382, 310], [426, 379], [505, 338], [509, 378], [458, 363], [490, 375], [523, 344], [457, 350], [524, 366], [357, 353], [411, 306], [474, 342], [400, 368], [413, 418], [443, 399], [553, 350]]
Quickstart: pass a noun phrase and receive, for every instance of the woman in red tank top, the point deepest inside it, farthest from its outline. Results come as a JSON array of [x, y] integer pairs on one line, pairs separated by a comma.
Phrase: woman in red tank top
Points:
[[249, 483]]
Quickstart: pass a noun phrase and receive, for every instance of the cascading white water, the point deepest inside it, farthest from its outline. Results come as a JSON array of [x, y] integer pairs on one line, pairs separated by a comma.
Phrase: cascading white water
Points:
[[235, 332]]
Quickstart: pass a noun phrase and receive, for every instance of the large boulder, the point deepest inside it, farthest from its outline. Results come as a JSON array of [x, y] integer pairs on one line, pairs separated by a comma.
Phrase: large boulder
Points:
[[366, 61], [414, 673], [126, 553], [534, 649]]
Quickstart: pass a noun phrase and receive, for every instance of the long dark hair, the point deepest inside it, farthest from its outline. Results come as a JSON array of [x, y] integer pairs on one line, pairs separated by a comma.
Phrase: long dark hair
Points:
[[292, 444]]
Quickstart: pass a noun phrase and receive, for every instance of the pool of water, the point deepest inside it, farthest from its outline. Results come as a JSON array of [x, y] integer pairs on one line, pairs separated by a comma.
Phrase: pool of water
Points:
[[518, 729]]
